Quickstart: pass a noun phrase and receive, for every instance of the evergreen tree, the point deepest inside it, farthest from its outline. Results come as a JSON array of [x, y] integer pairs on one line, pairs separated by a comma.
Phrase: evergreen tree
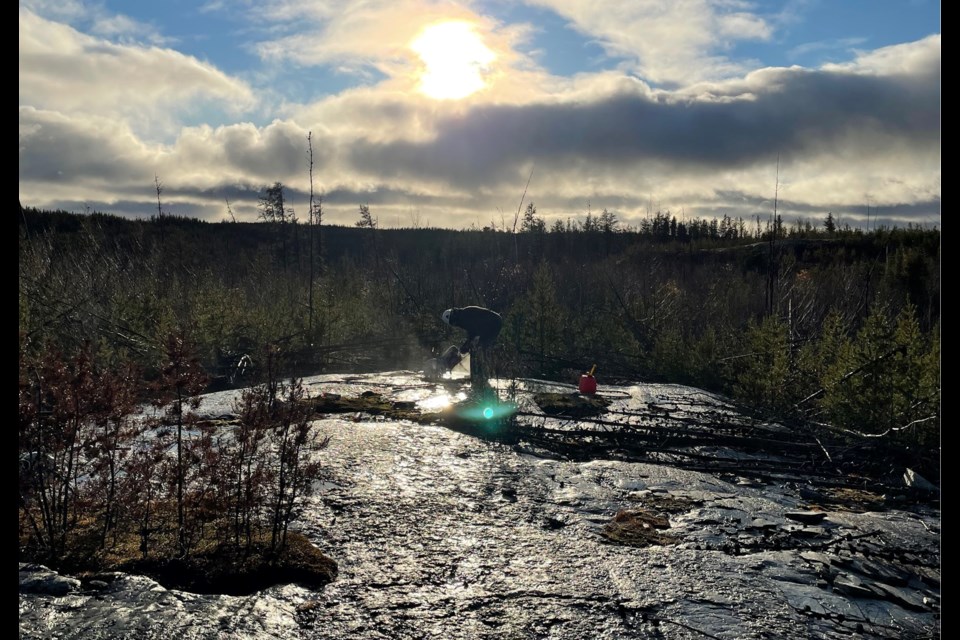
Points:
[[531, 222], [366, 220], [829, 225]]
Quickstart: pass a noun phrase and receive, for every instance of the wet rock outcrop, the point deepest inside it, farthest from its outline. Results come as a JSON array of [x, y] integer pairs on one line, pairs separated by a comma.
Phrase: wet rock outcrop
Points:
[[442, 534]]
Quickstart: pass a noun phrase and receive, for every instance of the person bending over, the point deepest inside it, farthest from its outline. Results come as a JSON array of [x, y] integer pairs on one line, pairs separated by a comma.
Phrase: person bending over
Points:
[[482, 326]]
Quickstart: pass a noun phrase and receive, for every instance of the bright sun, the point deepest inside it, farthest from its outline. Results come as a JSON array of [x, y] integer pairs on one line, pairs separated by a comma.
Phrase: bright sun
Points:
[[455, 59]]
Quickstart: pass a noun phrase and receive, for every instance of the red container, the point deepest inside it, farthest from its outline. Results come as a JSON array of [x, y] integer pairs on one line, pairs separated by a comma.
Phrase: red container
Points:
[[588, 384]]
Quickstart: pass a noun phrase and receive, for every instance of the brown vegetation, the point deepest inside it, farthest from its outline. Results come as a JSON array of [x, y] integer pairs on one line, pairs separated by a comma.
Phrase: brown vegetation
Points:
[[638, 528], [101, 487]]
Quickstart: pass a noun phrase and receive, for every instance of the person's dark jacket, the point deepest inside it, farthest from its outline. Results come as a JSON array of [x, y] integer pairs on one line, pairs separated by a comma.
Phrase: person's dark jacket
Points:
[[478, 322]]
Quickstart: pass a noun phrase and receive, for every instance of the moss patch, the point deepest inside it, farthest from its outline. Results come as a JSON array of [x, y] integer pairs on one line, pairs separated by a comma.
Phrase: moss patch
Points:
[[369, 402], [638, 528], [849, 499], [571, 405]]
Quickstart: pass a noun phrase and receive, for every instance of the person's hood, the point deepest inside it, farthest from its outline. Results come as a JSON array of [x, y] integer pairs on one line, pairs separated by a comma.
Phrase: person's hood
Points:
[[446, 315]]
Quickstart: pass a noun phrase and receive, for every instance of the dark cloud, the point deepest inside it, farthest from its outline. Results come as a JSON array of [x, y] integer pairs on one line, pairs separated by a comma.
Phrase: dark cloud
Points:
[[54, 148], [795, 112], [745, 205], [59, 149], [396, 197], [280, 150]]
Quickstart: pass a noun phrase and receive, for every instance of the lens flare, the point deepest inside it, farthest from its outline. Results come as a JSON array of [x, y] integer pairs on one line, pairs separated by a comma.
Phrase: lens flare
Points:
[[487, 412]]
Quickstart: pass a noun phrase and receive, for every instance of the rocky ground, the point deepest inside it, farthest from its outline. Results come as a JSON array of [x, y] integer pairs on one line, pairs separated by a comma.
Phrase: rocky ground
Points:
[[446, 534]]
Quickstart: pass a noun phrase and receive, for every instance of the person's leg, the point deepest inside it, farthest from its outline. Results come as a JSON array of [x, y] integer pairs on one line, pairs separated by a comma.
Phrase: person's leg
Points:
[[477, 367], [484, 354], [470, 346]]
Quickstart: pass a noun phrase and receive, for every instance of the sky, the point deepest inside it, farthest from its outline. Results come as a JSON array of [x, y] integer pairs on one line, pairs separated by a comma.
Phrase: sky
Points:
[[441, 112]]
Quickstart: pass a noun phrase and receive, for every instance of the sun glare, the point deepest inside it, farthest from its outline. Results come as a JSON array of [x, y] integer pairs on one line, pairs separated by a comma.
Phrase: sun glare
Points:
[[455, 59]]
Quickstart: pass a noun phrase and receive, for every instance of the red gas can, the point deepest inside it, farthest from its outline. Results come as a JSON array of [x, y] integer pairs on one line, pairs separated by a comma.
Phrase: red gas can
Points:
[[588, 384]]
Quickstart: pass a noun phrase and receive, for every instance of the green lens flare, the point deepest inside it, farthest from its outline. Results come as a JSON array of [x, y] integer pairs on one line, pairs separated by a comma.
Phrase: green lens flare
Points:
[[484, 412]]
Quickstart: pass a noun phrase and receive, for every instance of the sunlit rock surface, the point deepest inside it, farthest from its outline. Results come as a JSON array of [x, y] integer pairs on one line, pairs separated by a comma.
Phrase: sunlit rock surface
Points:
[[446, 535]]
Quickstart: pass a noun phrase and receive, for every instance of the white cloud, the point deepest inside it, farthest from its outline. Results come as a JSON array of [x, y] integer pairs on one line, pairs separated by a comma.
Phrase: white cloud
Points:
[[124, 27], [376, 33], [212, 6], [922, 56], [62, 10], [64, 70], [96, 18], [673, 43], [838, 45]]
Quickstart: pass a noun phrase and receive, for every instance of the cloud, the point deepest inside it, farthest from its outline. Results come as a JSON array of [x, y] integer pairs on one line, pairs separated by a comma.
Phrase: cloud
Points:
[[64, 70], [125, 27], [371, 40], [58, 148], [866, 128], [242, 153], [837, 45], [871, 127], [95, 17], [729, 124], [79, 161], [670, 43], [61, 10], [373, 33], [921, 57]]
